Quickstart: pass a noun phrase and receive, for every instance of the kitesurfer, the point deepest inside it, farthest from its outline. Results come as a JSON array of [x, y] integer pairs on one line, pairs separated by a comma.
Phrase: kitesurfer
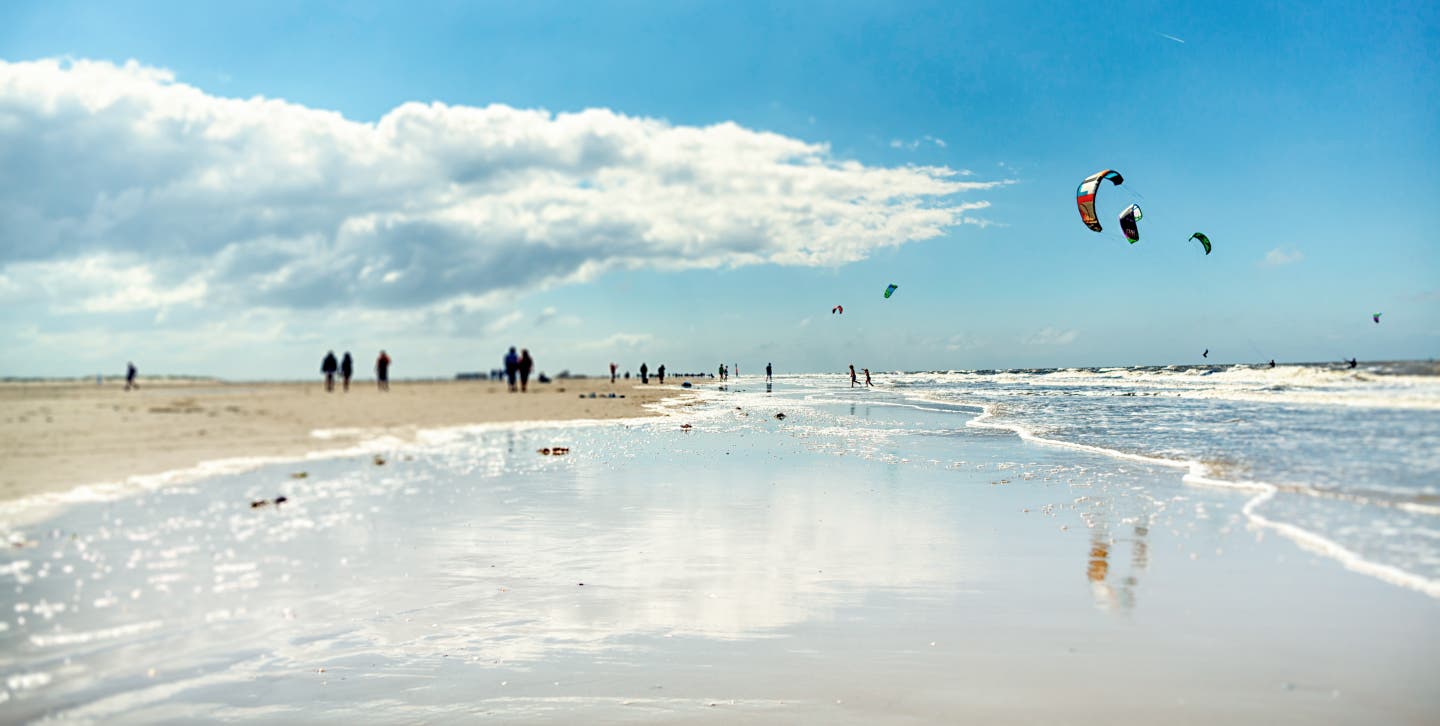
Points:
[[1272, 362], [1354, 362]]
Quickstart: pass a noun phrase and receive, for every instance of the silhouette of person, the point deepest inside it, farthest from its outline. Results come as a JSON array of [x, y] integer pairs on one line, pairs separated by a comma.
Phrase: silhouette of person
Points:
[[130, 372], [1272, 362], [347, 369], [644, 373], [660, 373], [512, 367], [612, 372], [382, 372], [328, 367], [1354, 362], [525, 365], [853, 382], [867, 377], [768, 371]]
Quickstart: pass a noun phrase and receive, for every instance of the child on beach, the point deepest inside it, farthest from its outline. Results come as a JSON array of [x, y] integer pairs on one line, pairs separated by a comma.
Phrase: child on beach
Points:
[[852, 375], [867, 377]]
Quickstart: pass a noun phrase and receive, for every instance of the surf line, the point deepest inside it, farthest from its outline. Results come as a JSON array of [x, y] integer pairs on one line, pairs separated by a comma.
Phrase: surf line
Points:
[[1196, 475]]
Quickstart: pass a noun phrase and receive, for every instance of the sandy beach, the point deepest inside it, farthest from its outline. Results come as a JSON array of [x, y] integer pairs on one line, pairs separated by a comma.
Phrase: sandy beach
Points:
[[55, 436]]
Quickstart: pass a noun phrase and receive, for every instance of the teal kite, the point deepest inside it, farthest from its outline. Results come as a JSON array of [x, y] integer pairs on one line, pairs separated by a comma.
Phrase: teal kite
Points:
[[891, 290], [1203, 240], [1376, 315]]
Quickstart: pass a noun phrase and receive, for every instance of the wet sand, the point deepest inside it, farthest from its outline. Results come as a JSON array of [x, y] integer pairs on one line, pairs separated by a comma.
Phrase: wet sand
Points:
[[850, 563], [55, 436]]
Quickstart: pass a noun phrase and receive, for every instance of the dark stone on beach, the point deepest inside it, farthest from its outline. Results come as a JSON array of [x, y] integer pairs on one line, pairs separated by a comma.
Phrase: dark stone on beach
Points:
[[780, 416], [281, 500], [258, 503]]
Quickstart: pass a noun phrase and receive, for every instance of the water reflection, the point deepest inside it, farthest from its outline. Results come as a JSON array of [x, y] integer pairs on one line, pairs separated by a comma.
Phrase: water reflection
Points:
[[1113, 590]]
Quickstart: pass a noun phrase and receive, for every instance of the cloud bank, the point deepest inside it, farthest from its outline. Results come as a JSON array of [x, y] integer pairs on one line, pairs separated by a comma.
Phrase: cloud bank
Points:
[[126, 190]]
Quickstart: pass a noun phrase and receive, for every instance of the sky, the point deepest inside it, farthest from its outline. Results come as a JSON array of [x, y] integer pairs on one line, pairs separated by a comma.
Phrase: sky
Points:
[[225, 190]]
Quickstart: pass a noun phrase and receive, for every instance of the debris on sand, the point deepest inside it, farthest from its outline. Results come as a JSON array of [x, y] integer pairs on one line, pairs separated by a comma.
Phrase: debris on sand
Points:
[[553, 451], [379, 460], [258, 503], [300, 475], [780, 416], [686, 427]]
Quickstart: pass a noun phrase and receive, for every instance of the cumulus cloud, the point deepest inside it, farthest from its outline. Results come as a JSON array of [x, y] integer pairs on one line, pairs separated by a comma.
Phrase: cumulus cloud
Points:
[[1280, 256], [139, 191], [1051, 336]]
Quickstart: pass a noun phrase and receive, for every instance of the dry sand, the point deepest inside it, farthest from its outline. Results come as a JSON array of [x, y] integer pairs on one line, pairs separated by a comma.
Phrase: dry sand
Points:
[[54, 436]]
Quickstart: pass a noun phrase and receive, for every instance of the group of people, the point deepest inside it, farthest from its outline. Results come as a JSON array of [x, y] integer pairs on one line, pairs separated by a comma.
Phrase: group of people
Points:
[[518, 365], [345, 366], [854, 382]]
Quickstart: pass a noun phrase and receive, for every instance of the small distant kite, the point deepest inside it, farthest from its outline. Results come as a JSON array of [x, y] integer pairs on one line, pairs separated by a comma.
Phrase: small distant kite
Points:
[[1376, 316], [1206, 354], [838, 309], [1128, 218], [891, 290], [1205, 241], [1085, 195]]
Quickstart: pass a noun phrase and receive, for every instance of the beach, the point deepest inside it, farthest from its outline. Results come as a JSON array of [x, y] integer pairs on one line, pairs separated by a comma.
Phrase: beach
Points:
[[795, 553], [58, 435]]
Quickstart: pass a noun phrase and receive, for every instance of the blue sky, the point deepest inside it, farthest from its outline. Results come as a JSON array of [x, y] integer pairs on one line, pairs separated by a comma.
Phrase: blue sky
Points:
[[1303, 138]]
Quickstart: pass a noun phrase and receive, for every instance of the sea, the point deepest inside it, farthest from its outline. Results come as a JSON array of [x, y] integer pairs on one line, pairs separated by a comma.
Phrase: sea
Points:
[[1343, 461], [910, 545]]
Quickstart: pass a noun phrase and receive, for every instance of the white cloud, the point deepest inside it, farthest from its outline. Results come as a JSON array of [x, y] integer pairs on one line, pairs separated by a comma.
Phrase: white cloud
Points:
[[965, 341], [1279, 256], [618, 342], [1051, 336], [914, 144], [245, 203]]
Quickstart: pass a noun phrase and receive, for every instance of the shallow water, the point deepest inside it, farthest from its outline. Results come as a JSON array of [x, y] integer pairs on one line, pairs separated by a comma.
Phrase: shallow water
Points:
[[879, 546]]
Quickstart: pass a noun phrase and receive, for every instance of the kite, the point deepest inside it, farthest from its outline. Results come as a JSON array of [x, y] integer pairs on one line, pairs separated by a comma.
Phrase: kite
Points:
[[1085, 196], [838, 309], [1206, 354], [1128, 218], [891, 290], [1203, 240], [1376, 315]]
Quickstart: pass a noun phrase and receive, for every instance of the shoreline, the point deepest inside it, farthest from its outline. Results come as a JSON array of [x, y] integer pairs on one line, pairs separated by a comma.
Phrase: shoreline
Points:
[[57, 437]]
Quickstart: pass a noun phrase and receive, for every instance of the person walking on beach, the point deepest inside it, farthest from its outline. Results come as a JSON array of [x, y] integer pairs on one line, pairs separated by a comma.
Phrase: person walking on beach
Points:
[[644, 373], [867, 377], [737, 370], [328, 367], [347, 369], [525, 365], [660, 373], [767, 372], [382, 372], [612, 373], [512, 367], [131, 371], [852, 375]]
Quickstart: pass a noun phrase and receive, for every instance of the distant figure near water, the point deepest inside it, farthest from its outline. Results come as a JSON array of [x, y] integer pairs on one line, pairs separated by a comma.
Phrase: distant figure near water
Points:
[[660, 373], [867, 377], [644, 373], [612, 372], [328, 366], [852, 376], [1272, 362], [525, 365], [347, 369], [382, 372], [1353, 362], [130, 373], [768, 372], [512, 367]]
